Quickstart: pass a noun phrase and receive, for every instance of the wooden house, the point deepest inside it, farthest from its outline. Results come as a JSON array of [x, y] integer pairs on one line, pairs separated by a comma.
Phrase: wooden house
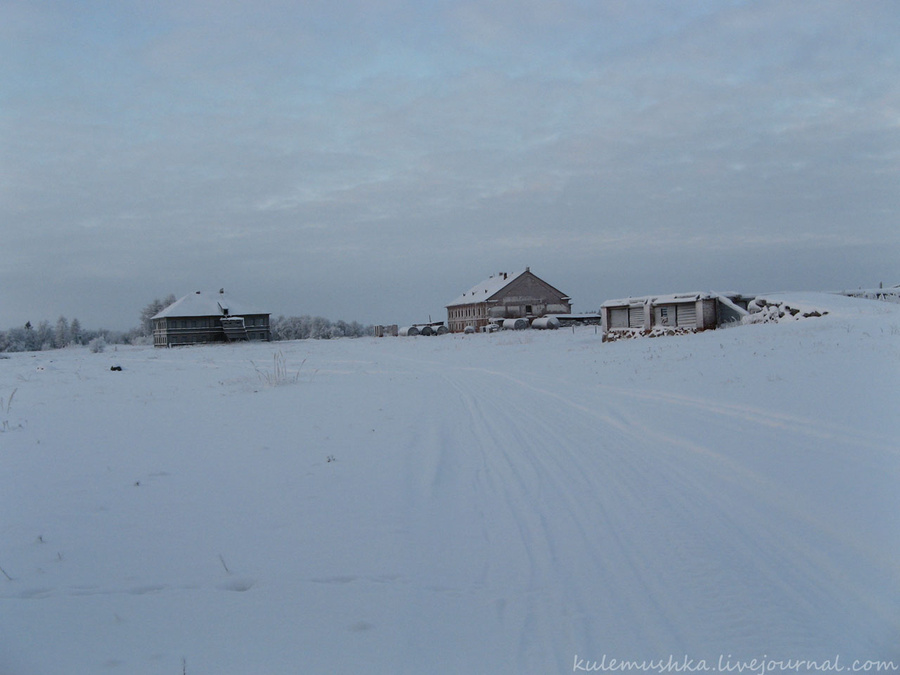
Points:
[[208, 317], [505, 296]]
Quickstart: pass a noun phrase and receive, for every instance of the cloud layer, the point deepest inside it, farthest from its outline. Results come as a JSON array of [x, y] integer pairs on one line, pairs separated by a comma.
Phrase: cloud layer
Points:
[[367, 161]]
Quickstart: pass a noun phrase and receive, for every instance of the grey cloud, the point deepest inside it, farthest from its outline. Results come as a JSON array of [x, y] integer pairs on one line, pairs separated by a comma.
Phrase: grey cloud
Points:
[[345, 145]]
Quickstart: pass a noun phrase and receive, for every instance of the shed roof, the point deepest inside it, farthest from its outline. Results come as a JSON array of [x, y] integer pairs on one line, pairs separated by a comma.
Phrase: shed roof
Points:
[[487, 288], [670, 299], [207, 304]]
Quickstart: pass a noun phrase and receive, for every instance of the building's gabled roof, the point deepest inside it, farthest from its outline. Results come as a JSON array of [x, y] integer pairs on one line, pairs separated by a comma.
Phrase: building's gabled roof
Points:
[[487, 288], [206, 304]]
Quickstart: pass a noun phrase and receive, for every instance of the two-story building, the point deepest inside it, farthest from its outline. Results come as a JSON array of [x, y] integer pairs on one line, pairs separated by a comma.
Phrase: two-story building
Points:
[[505, 296], [208, 317]]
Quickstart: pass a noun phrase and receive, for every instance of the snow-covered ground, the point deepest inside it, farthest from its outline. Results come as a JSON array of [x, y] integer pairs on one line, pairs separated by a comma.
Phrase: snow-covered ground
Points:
[[506, 503]]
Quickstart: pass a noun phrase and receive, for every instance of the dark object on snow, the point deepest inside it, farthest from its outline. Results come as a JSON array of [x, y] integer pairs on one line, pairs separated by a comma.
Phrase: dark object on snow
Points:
[[115, 367]]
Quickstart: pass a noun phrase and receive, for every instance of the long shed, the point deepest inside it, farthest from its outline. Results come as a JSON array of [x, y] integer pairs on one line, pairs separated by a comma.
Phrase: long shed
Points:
[[680, 312]]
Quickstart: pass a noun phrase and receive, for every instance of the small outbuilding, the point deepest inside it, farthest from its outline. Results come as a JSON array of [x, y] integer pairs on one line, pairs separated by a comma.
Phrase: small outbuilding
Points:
[[390, 329], [671, 314], [522, 295], [202, 317]]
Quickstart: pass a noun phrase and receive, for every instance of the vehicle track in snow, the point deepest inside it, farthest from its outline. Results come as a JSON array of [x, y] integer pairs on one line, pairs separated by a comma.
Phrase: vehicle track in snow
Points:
[[547, 525], [579, 500]]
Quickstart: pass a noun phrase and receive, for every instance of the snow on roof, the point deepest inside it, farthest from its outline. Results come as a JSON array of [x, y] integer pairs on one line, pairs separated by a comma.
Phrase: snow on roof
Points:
[[206, 304], [487, 288], [835, 304], [665, 299], [737, 309]]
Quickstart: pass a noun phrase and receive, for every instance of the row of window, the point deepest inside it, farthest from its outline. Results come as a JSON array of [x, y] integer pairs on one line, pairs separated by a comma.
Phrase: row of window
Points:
[[480, 312], [251, 321], [467, 312]]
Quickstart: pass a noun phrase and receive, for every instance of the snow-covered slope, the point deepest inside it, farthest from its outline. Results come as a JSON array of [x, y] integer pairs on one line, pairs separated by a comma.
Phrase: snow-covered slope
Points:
[[505, 503]]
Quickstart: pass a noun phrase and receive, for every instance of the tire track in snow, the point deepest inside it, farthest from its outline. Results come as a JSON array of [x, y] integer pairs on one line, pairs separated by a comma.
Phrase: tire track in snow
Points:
[[638, 428], [572, 529], [818, 428], [611, 510], [799, 572], [513, 569], [773, 495]]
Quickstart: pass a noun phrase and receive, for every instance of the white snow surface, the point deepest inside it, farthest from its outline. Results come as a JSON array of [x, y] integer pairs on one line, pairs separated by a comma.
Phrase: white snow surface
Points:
[[489, 503]]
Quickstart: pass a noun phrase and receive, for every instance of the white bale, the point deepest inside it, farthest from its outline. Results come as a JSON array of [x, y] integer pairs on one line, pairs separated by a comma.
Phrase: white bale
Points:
[[545, 322]]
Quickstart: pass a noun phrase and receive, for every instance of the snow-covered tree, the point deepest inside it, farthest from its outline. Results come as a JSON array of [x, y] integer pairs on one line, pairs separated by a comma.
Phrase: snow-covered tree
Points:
[[97, 345], [75, 332], [320, 328], [44, 335], [314, 327], [20, 339], [61, 335], [153, 308]]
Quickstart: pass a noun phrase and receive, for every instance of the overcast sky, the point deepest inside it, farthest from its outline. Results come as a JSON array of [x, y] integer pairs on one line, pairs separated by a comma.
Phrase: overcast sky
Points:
[[372, 160]]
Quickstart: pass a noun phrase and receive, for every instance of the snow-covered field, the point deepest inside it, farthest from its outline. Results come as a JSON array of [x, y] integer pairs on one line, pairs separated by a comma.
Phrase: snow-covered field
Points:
[[506, 503]]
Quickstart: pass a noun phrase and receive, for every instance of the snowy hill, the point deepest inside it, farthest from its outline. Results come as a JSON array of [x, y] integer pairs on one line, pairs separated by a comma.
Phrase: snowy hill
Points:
[[493, 503]]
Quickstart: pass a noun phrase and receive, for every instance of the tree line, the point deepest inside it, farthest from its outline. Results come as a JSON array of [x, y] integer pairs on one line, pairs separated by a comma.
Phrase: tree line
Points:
[[29, 338], [315, 328], [65, 333]]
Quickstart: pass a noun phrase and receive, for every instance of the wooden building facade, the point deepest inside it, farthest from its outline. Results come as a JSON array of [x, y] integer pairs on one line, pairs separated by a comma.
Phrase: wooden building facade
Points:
[[201, 318]]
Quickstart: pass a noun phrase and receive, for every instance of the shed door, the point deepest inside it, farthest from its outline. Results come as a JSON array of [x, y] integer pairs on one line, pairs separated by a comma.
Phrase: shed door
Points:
[[618, 317], [636, 317], [664, 315], [687, 315]]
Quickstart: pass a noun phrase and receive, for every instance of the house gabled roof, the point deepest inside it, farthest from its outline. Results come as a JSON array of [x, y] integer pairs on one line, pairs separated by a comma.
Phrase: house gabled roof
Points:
[[487, 288], [206, 304]]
